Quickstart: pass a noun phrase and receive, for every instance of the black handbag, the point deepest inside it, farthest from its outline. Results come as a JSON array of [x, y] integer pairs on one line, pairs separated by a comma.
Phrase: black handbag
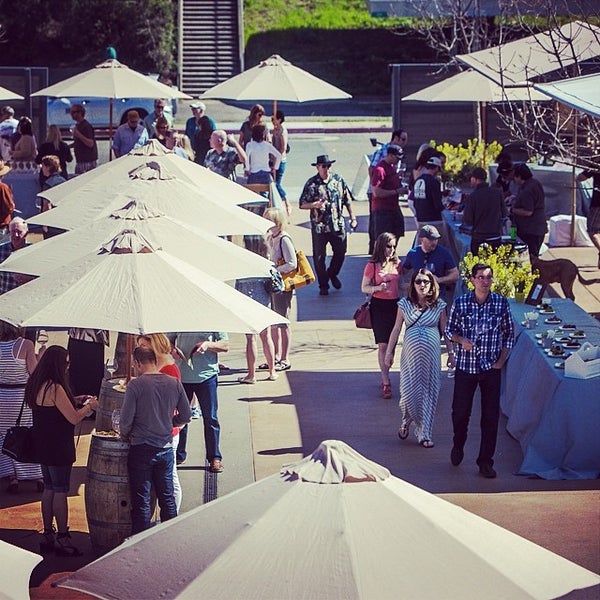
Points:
[[18, 441]]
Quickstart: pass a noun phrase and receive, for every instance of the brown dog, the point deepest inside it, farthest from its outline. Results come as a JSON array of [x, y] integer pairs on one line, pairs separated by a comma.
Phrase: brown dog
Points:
[[563, 271]]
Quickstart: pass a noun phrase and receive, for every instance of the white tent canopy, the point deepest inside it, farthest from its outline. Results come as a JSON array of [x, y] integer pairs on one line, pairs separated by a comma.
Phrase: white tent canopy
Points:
[[8, 95], [515, 63], [580, 93], [334, 526]]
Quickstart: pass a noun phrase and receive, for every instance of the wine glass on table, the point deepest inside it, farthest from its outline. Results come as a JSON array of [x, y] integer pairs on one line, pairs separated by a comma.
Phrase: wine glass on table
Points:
[[111, 366]]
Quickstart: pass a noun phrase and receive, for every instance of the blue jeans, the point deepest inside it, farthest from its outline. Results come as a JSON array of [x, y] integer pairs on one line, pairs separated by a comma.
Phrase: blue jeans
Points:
[[260, 177], [206, 392], [278, 177], [150, 466]]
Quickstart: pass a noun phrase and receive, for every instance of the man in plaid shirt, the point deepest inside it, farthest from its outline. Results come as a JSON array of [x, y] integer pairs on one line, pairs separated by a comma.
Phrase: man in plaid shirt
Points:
[[481, 327]]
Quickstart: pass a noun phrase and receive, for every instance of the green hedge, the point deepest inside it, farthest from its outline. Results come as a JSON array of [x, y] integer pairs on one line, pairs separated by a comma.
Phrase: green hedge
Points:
[[354, 60]]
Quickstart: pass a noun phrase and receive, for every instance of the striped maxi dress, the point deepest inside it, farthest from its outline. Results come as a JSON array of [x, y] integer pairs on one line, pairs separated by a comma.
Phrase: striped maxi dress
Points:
[[420, 366], [13, 377]]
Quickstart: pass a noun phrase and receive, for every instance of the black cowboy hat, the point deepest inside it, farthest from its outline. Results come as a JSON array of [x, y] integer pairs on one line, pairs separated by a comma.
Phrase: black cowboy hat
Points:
[[323, 159]]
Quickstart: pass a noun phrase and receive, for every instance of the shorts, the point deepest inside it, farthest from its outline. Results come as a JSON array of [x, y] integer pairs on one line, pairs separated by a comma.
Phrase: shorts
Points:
[[593, 220], [281, 304], [57, 478]]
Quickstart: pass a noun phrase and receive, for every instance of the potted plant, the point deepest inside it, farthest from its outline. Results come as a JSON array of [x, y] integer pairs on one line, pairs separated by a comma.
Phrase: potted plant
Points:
[[513, 278]]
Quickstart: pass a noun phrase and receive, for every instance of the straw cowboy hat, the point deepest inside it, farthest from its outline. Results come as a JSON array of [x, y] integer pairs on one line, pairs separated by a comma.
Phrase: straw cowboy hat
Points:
[[4, 168]]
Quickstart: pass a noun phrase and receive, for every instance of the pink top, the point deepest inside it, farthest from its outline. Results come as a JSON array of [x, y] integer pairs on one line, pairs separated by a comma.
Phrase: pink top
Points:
[[377, 276]]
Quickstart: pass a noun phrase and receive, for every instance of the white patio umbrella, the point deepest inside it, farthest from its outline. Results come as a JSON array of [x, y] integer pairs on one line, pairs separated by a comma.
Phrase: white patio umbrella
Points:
[[213, 255], [515, 63], [580, 93], [8, 95], [109, 178], [131, 287], [275, 79], [472, 86], [112, 80], [151, 183], [16, 565], [335, 525]]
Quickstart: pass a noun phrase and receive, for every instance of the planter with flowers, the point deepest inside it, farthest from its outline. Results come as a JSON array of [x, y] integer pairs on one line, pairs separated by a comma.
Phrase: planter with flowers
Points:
[[512, 277]]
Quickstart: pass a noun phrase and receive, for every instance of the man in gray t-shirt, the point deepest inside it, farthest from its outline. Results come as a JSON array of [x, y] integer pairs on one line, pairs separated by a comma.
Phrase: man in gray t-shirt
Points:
[[154, 404]]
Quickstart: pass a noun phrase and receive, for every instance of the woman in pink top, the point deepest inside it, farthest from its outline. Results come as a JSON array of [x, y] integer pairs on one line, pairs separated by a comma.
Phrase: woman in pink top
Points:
[[380, 278]]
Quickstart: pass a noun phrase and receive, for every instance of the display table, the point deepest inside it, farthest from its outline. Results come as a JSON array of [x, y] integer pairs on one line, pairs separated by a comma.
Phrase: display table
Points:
[[555, 419]]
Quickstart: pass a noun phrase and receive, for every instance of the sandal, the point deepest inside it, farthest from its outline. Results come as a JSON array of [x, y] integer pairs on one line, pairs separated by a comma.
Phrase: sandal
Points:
[[403, 431], [216, 466], [64, 547], [273, 377], [386, 391], [264, 366], [283, 365], [427, 443], [248, 380]]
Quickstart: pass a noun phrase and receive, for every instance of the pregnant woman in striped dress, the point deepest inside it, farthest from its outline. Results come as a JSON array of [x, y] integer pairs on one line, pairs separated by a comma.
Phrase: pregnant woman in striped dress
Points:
[[17, 362], [420, 366]]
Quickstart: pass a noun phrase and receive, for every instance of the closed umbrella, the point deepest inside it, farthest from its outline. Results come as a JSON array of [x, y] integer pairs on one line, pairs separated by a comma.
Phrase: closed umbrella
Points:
[[213, 255], [275, 79], [8, 95], [335, 525], [132, 287], [151, 182]]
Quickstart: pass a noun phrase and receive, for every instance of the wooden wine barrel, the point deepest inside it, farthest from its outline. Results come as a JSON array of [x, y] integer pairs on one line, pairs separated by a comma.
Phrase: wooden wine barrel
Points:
[[107, 496], [108, 400]]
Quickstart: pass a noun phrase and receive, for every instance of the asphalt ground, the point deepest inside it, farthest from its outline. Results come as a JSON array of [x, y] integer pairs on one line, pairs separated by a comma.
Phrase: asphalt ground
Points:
[[332, 392]]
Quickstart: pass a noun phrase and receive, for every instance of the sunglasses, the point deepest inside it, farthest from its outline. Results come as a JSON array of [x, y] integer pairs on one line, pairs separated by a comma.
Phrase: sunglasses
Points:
[[391, 246], [422, 281], [484, 277]]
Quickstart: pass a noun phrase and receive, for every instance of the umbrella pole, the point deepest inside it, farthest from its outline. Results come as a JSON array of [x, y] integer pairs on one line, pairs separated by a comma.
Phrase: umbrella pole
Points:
[[274, 107], [573, 182], [110, 130], [128, 357]]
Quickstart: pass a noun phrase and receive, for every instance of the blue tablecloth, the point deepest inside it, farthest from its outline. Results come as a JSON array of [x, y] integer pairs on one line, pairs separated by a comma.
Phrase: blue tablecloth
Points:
[[556, 419]]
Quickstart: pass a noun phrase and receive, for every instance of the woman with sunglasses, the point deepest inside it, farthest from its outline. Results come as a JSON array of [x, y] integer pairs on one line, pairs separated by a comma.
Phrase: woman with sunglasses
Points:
[[380, 279], [423, 312]]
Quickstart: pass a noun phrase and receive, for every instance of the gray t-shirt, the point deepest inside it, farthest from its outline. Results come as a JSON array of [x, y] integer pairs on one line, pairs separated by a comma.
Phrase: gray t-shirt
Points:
[[153, 404]]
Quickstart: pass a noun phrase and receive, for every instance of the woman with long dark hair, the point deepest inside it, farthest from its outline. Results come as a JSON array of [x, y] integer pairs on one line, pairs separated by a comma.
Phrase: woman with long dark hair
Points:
[[380, 279], [55, 413], [422, 310]]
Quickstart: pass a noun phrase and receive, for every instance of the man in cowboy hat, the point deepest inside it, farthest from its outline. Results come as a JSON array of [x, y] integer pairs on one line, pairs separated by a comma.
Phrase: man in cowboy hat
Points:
[[7, 204], [325, 195]]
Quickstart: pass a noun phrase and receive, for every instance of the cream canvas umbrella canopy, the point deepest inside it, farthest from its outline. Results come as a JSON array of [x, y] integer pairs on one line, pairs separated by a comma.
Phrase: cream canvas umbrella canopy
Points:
[[335, 526], [109, 178], [472, 86], [580, 93], [515, 63], [213, 255], [275, 79], [8, 95], [131, 287], [151, 183], [16, 565]]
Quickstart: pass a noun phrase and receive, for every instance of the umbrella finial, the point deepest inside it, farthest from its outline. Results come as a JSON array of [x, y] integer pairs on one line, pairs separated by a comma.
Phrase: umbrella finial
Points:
[[335, 462], [111, 53]]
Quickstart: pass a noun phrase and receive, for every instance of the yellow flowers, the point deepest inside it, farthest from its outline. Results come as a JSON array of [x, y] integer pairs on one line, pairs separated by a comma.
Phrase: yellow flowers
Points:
[[510, 273], [461, 160]]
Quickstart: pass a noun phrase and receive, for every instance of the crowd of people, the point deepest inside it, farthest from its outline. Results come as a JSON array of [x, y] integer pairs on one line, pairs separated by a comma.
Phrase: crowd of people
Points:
[[412, 297]]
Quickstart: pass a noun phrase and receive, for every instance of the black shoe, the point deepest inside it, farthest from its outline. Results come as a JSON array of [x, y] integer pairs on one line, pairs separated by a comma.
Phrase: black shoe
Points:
[[323, 292], [487, 471], [335, 282], [456, 456]]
